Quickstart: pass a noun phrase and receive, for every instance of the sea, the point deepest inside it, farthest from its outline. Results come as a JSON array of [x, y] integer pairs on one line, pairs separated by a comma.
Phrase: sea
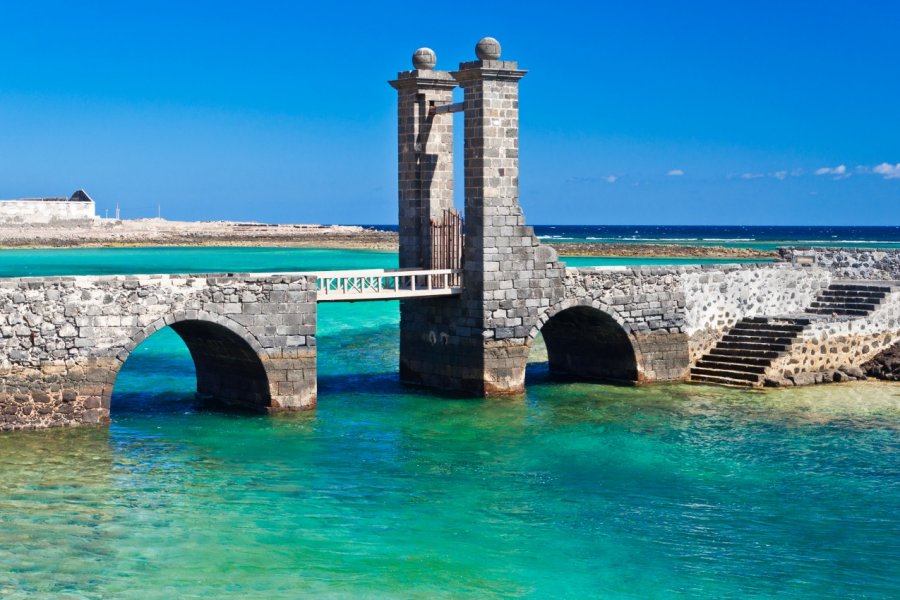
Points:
[[572, 490], [767, 237]]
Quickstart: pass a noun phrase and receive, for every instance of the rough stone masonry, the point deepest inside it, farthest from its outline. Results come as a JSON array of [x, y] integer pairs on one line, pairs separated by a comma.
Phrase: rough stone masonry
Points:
[[64, 339]]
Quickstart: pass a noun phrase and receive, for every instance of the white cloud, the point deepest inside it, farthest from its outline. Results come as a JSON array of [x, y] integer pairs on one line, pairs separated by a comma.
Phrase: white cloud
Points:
[[779, 175], [838, 170], [676, 173], [610, 179], [887, 170]]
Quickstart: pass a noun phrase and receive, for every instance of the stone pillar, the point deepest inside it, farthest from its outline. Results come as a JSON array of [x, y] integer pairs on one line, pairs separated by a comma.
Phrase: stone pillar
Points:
[[508, 274], [479, 342], [425, 182], [425, 155]]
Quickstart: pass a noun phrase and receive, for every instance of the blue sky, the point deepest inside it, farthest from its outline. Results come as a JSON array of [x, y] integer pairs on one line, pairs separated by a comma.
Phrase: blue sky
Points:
[[632, 112]]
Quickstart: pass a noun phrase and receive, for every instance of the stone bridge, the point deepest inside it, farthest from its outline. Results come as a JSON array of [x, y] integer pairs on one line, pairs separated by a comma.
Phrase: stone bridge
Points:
[[467, 326], [64, 339]]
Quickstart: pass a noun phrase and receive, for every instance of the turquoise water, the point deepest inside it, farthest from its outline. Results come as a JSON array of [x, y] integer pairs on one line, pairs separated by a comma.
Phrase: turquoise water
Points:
[[117, 261], [759, 237], [572, 490], [109, 261]]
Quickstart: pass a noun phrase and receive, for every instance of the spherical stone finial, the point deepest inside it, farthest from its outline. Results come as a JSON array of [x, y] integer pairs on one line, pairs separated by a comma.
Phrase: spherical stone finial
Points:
[[488, 49], [424, 58]]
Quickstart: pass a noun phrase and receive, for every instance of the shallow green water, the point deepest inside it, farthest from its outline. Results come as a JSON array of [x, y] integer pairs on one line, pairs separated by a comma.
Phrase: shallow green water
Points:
[[106, 261], [573, 490]]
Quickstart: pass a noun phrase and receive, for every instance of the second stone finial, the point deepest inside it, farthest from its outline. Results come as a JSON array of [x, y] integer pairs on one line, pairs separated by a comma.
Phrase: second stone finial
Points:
[[488, 49], [424, 59]]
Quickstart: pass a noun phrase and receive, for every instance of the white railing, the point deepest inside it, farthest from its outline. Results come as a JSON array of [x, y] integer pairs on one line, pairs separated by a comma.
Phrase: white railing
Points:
[[386, 284]]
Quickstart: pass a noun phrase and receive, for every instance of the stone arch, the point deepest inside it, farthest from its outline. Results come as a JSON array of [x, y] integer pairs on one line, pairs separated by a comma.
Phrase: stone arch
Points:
[[588, 339], [232, 366]]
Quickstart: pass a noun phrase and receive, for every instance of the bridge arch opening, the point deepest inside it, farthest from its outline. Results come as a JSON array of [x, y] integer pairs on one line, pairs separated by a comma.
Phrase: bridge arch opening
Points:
[[228, 369], [586, 343]]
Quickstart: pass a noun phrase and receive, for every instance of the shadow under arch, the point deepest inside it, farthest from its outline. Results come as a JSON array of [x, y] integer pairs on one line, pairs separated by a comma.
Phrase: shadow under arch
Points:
[[229, 362], [586, 342]]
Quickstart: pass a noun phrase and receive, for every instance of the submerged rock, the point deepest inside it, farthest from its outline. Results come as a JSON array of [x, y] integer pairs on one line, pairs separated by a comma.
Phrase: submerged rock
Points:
[[804, 378]]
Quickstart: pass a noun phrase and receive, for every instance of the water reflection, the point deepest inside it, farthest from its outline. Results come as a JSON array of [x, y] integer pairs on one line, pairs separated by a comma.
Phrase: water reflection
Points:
[[569, 490]]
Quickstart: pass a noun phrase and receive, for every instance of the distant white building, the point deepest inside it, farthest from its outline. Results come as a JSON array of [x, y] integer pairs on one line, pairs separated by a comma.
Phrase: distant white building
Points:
[[79, 207]]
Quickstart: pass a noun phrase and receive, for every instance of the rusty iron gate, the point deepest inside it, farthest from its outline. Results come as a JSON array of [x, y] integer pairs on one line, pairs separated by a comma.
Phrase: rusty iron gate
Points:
[[447, 242]]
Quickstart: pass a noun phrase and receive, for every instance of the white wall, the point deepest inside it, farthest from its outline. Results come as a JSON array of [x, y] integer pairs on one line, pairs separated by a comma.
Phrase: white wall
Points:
[[41, 211]]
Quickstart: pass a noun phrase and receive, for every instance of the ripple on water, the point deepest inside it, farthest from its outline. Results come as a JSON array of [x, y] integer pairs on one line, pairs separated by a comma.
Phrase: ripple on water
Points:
[[572, 490]]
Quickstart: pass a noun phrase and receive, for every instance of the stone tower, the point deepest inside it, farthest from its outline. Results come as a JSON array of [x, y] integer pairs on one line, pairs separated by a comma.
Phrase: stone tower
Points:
[[425, 154], [477, 342]]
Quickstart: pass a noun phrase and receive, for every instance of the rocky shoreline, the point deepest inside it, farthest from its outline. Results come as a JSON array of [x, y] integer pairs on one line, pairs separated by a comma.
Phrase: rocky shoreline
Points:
[[886, 365], [158, 232], [659, 250]]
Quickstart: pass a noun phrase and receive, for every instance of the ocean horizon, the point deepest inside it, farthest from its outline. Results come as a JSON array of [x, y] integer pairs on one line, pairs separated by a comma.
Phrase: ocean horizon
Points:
[[737, 236]]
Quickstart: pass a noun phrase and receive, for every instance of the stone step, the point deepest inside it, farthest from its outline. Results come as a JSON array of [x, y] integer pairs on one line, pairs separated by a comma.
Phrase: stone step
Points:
[[844, 305], [861, 296], [763, 333], [755, 320], [741, 358], [770, 326], [716, 365], [748, 354], [852, 287], [797, 319], [740, 375], [720, 381], [849, 300], [757, 339], [848, 312], [726, 345]]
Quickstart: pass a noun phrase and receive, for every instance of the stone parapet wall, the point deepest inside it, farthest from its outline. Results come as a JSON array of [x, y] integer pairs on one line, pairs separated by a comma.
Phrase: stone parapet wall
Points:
[[850, 263], [63, 340]]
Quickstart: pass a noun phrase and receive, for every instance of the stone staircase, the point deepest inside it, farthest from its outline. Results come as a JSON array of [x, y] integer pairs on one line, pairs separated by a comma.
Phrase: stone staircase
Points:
[[849, 299], [742, 356]]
